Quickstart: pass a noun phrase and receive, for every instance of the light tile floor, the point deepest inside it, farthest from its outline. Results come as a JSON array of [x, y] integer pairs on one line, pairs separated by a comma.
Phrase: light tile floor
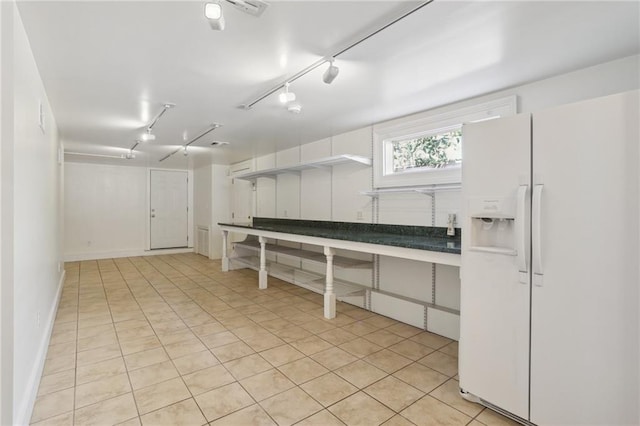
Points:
[[171, 340]]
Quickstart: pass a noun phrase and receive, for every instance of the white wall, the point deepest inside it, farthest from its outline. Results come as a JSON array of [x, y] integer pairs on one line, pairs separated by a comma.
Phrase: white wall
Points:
[[220, 193], [6, 212], [202, 196], [212, 201], [37, 178], [202, 207], [105, 210]]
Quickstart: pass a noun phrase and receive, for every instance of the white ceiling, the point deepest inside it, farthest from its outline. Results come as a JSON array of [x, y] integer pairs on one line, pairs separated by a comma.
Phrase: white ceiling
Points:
[[108, 67]]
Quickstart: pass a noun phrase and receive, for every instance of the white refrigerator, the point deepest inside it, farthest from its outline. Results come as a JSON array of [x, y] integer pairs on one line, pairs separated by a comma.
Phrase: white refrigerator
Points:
[[550, 264]]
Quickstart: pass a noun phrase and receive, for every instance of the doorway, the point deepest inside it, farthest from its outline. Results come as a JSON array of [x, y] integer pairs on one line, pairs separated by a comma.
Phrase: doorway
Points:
[[169, 209]]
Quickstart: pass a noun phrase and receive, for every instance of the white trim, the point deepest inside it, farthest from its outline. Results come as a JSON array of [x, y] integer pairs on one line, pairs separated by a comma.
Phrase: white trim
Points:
[[73, 257], [24, 411], [419, 124]]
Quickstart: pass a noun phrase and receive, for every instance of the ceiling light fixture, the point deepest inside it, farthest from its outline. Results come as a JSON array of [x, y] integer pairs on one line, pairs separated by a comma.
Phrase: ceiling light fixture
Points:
[[287, 96], [307, 70], [148, 136], [213, 12], [86, 154], [208, 130], [331, 73], [252, 7]]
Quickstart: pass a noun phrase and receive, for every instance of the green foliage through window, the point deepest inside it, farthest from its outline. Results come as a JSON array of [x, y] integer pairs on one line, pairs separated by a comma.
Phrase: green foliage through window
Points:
[[435, 151]]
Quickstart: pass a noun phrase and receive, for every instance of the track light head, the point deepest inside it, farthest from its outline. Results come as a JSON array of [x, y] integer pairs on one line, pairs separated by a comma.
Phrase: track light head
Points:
[[213, 12], [286, 96], [148, 136], [184, 152], [331, 73]]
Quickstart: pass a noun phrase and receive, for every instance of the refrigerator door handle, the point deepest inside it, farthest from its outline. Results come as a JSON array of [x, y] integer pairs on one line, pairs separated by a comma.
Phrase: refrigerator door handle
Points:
[[536, 234], [521, 230]]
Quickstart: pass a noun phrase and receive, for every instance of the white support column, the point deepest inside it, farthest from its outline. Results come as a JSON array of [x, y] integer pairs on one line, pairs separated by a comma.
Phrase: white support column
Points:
[[225, 258], [262, 274], [329, 295]]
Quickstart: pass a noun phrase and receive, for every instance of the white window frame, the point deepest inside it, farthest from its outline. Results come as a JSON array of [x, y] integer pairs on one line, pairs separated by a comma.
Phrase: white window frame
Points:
[[423, 124]]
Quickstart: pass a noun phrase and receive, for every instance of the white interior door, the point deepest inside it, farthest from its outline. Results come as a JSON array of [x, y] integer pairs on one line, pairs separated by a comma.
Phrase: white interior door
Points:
[[584, 332], [169, 209]]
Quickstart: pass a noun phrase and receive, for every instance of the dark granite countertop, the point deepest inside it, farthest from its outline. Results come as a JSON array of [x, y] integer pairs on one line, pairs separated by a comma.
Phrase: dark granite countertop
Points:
[[415, 237]]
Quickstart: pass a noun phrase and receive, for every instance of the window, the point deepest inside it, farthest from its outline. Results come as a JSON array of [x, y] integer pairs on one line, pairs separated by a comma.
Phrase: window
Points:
[[426, 149], [430, 151]]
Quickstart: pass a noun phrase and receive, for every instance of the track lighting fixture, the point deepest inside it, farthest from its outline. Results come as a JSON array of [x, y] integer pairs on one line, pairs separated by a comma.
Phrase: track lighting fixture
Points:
[[252, 7], [148, 136], [183, 148], [213, 12], [331, 73], [287, 96], [130, 155]]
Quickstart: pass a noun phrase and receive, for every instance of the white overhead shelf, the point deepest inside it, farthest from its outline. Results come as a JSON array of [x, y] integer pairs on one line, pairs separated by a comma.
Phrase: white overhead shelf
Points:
[[429, 189], [297, 168]]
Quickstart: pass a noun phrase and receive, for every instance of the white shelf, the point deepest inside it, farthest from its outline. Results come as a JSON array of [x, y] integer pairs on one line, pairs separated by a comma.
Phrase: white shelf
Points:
[[428, 189], [340, 288], [338, 261], [302, 278], [316, 164]]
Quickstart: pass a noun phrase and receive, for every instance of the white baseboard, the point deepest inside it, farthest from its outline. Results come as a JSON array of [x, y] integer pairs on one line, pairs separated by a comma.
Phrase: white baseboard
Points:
[[74, 257], [24, 411]]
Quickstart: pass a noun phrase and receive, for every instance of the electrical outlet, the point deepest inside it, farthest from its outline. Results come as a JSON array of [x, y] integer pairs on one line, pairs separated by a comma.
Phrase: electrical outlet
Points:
[[38, 319], [59, 267], [286, 214], [359, 215]]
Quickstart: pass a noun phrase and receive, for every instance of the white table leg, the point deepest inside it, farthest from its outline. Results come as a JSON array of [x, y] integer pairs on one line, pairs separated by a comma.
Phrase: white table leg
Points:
[[225, 258], [329, 295], [262, 274]]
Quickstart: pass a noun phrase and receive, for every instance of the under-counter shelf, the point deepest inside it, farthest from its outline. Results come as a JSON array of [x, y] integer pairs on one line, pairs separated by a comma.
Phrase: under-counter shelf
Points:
[[297, 168], [302, 278], [338, 261]]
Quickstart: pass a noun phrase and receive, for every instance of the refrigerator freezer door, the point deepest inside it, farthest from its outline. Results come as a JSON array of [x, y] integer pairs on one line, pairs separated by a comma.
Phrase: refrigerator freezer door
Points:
[[584, 335], [494, 340]]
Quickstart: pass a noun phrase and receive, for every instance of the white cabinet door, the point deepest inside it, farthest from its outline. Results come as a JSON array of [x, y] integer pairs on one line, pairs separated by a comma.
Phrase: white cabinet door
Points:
[[584, 335], [169, 209], [494, 329], [241, 200]]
